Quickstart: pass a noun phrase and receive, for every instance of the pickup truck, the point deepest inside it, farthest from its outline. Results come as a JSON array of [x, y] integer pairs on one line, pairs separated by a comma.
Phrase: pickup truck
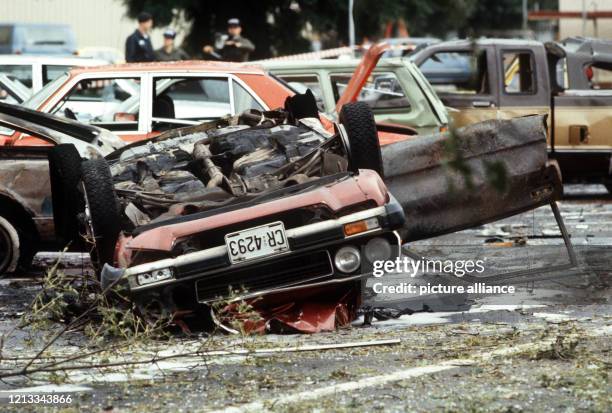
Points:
[[569, 81]]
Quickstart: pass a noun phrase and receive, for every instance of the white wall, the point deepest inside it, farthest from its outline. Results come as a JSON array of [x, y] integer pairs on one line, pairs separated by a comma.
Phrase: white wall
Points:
[[95, 22], [573, 27]]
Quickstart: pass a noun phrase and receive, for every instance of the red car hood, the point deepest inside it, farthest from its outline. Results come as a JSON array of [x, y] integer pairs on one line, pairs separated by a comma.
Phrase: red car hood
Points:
[[367, 186], [361, 74]]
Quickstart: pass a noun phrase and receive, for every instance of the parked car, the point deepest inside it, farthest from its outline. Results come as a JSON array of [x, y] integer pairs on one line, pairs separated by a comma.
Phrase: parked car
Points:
[[393, 87], [186, 93], [571, 82], [34, 72], [37, 38], [109, 54], [138, 101], [404, 46]]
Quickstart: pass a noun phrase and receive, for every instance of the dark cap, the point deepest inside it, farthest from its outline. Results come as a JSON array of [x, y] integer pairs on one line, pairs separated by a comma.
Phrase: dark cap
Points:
[[169, 34], [144, 17], [233, 22]]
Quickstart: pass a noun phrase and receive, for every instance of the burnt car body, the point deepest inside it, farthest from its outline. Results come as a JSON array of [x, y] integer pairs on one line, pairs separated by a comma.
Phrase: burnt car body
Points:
[[311, 252]]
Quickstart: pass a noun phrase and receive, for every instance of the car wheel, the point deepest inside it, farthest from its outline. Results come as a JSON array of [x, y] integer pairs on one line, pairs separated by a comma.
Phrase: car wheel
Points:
[[358, 121], [65, 172], [101, 212], [609, 188], [9, 247]]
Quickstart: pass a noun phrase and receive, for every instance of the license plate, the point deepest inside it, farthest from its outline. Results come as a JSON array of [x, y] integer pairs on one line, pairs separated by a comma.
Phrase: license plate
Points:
[[257, 242]]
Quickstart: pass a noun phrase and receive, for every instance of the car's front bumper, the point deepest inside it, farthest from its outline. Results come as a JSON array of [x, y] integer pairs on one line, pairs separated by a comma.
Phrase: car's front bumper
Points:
[[207, 275]]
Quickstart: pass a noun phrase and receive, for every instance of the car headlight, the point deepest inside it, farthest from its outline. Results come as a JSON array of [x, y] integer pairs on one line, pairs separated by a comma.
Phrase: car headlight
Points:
[[347, 259], [155, 276], [377, 249]]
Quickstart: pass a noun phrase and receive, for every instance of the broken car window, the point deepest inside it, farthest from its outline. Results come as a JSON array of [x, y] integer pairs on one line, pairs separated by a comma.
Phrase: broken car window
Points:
[[457, 72], [50, 72], [43, 94], [23, 73], [191, 98], [301, 83], [519, 76], [243, 100], [382, 90], [109, 102]]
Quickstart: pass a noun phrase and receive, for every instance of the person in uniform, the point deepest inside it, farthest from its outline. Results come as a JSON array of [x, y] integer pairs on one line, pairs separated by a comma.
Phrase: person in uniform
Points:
[[234, 47], [138, 46], [169, 52]]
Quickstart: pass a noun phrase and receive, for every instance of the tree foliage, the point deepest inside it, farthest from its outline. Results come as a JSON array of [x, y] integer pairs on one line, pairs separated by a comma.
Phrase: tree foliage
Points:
[[277, 26]]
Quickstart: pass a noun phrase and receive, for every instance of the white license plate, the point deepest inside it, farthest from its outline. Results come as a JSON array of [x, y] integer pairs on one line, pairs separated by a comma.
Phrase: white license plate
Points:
[[256, 242]]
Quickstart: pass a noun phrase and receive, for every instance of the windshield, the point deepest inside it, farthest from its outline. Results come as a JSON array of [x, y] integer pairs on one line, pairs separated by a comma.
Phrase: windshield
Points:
[[47, 35], [37, 99]]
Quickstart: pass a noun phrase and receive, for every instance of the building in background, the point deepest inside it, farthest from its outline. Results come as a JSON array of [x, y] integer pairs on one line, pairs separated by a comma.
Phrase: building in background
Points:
[[587, 18], [97, 23], [600, 27]]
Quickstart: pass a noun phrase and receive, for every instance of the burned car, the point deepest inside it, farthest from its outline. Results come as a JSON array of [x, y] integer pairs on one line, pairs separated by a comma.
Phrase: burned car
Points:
[[241, 207]]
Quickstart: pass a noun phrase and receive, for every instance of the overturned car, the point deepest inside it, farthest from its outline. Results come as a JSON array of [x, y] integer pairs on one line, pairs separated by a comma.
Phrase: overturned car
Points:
[[274, 208], [239, 208]]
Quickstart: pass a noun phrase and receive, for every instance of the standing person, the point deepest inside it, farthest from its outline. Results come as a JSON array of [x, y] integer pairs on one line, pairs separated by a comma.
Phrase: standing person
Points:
[[138, 46], [169, 52], [235, 47]]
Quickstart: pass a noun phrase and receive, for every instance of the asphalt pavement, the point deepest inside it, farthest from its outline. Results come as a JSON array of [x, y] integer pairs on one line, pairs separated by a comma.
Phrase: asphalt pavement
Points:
[[546, 347]]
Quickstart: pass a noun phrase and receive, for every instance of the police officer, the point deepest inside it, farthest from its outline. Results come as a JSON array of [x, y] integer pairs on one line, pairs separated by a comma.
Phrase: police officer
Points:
[[235, 48], [138, 46], [168, 52]]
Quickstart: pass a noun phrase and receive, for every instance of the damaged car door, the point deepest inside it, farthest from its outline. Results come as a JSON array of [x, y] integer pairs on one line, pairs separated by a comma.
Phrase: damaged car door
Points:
[[473, 175]]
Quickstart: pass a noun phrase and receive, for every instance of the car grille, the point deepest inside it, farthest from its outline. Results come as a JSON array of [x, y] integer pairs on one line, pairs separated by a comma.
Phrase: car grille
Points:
[[274, 273]]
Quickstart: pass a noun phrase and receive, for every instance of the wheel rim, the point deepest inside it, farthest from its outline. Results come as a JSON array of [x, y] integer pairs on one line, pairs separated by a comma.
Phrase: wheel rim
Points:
[[6, 249], [89, 229]]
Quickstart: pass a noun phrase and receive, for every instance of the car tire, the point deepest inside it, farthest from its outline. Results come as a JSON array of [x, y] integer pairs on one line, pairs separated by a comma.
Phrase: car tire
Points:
[[65, 173], [9, 247], [358, 121], [101, 212], [609, 188]]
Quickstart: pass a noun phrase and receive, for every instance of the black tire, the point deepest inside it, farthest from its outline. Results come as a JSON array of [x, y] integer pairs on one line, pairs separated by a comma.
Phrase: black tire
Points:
[[65, 172], [609, 188], [103, 219], [358, 121], [9, 247]]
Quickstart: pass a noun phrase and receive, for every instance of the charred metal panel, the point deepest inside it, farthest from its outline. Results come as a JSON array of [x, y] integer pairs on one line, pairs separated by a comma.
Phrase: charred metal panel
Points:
[[437, 198], [24, 178]]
